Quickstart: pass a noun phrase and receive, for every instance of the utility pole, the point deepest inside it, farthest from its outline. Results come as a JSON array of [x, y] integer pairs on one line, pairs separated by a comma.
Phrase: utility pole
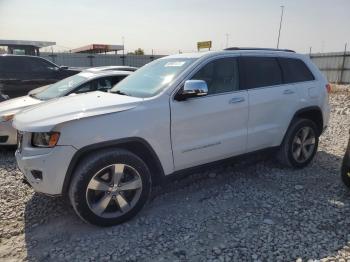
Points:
[[227, 36], [322, 46], [279, 31], [123, 43], [343, 65]]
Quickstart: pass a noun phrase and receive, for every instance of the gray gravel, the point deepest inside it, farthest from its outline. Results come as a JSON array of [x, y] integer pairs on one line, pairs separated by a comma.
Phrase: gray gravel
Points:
[[251, 210]]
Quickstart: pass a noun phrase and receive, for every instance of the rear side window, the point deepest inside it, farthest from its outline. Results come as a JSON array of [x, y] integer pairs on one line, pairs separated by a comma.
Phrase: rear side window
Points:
[[260, 71], [295, 70]]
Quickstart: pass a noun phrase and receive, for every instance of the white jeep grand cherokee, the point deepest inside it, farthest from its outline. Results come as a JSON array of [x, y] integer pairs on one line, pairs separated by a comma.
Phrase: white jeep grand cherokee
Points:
[[105, 150]]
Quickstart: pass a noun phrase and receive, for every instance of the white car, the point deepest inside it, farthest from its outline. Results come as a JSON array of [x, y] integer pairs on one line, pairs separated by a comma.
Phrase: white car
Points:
[[106, 150], [114, 68], [80, 83]]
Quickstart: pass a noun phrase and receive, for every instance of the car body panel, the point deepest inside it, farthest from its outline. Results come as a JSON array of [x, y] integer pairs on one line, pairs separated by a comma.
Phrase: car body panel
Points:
[[70, 108], [47, 164], [202, 133]]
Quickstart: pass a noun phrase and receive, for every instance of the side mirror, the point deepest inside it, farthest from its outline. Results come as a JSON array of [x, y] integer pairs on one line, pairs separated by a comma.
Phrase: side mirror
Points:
[[63, 67], [193, 88]]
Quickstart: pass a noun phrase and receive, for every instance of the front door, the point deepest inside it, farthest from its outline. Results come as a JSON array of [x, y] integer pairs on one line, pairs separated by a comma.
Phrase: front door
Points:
[[212, 127]]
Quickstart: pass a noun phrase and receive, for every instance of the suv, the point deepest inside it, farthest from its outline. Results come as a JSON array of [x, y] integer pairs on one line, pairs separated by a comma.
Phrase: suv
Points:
[[106, 150], [19, 74]]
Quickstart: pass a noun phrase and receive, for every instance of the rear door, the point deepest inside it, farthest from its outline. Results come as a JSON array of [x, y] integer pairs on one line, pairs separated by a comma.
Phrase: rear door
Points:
[[271, 102], [212, 127]]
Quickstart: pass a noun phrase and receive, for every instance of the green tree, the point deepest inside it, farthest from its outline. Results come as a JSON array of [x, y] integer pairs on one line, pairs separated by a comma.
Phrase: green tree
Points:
[[139, 51]]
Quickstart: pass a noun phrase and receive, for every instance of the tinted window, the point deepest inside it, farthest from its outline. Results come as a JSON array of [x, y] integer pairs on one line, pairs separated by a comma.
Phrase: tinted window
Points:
[[116, 79], [220, 75], [11, 64], [100, 84], [37, 64], [295, 70], [260, 71]]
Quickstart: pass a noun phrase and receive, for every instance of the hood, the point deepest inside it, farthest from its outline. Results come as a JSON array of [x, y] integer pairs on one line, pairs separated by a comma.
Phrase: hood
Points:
[[12, 106], [37, 90], [44, 117]]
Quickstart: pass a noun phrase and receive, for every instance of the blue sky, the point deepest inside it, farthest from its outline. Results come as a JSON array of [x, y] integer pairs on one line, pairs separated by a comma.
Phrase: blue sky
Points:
[[170, 26]]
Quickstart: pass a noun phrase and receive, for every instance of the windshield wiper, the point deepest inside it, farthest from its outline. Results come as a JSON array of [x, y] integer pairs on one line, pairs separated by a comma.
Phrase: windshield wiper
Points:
[[119, 93], [33, 96]]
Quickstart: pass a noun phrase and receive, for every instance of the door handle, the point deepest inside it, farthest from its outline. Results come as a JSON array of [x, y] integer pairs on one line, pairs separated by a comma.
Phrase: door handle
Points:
[[236, 100], [288, 92]]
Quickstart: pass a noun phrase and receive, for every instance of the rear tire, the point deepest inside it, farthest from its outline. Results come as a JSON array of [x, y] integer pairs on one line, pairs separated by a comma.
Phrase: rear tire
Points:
[[110, 187], [345, 171], [300, 144]]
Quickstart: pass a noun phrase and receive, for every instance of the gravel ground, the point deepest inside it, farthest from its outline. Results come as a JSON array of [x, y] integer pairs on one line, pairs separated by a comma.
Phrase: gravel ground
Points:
[[251, 210]]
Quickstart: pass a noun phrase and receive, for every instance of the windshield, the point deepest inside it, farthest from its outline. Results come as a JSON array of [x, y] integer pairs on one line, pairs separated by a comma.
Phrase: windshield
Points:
[[152, 78], [61, 88]]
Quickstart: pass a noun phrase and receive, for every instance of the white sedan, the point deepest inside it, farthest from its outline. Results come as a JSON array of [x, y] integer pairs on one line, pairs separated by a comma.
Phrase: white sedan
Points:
[[83, 82]]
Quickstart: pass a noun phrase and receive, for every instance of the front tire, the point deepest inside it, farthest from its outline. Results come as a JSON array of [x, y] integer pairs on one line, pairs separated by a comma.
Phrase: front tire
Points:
[[110, 187], [345, 170], [300, 144]]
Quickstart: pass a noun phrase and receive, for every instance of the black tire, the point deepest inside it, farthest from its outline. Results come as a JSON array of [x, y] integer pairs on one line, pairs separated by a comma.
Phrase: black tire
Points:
[[285, 154], [345, 171], [87, 170]]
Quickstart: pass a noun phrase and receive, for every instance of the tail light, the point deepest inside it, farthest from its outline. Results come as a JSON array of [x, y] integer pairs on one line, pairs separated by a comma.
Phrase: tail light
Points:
[[328, 88]]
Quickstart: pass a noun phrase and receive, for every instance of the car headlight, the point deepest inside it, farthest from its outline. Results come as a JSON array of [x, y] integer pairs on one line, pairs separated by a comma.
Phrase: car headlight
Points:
[[8, 117], [48, 139]]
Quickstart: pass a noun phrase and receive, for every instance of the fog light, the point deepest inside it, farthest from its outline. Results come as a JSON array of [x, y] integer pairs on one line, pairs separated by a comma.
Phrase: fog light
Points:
[[38, 175]]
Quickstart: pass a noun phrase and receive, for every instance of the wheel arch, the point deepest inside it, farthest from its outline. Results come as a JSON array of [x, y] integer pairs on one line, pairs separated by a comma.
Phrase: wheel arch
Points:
[[313, 113], [136, 145]]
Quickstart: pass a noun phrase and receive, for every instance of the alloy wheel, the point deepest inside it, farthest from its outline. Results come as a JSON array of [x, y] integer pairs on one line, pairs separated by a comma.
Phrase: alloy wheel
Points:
[[303, 144], [114, 190]]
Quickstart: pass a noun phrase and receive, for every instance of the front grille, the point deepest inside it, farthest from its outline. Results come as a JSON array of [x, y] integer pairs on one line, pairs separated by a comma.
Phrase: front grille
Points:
[[3, 139]]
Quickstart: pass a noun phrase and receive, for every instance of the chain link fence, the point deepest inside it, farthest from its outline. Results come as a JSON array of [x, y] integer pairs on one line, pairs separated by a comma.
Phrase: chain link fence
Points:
[[92, 60]]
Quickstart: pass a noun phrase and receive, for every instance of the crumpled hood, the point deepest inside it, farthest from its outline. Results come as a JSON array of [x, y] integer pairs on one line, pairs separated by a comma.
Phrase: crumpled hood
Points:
[[12, 106], [44, 117]]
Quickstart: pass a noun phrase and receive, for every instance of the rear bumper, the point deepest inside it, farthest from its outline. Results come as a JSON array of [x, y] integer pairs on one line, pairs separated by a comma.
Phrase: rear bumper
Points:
[[8, 134]]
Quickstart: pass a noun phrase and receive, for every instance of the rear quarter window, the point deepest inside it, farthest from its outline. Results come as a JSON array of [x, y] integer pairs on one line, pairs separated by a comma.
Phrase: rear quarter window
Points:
[[294, 70], [260, 71]]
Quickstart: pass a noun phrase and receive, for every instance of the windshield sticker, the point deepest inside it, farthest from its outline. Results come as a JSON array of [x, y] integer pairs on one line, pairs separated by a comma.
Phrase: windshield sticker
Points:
[[175, 64]]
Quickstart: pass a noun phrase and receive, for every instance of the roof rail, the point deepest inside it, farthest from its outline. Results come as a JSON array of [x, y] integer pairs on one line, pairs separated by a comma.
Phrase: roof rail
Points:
[[258, 48]]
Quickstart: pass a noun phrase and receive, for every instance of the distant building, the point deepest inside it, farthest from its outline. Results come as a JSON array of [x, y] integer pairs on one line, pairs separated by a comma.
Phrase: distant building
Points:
[[98, 48], [24, 46]]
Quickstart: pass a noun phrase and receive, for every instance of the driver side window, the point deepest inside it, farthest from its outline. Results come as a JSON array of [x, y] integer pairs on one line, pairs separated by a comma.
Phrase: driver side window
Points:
[[221, 75]]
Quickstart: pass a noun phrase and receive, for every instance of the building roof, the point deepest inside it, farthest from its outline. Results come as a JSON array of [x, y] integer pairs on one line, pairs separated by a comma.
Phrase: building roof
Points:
[[97, 48], [37, 44]]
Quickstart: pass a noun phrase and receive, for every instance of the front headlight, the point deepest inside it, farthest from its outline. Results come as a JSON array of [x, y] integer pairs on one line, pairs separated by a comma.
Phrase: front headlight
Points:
[[8, 117], [49, 139]]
